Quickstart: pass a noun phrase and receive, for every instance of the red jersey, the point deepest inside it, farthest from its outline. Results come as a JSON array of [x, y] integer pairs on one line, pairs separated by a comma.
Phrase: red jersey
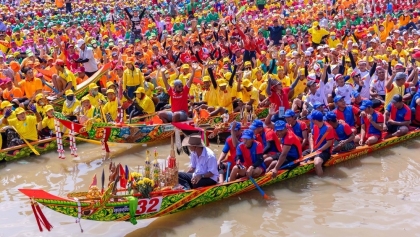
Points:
[[280, 100], [179, 101]]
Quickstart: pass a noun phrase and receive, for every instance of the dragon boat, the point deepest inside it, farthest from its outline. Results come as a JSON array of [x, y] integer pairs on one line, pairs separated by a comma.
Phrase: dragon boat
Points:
[[81, 90], [108, 207]]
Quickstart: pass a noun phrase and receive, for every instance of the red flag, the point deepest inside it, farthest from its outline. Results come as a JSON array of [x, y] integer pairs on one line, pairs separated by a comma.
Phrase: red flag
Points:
[[123, 180], [94, 181]]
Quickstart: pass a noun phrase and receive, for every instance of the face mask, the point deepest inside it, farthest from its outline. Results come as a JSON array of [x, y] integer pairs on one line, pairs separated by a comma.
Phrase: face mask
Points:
[[70, 97], [42, 103], [333, 37], [94, 93]]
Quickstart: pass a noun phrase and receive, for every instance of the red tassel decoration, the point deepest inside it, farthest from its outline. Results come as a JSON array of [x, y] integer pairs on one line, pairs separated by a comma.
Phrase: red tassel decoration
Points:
[[36, 215], [44, 220]]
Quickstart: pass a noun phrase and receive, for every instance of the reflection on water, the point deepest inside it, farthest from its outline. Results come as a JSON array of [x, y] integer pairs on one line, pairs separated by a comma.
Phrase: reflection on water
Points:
[[377, 194]]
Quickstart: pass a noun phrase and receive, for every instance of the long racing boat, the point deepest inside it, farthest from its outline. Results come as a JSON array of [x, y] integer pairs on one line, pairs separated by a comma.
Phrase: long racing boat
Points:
[[110, 207]]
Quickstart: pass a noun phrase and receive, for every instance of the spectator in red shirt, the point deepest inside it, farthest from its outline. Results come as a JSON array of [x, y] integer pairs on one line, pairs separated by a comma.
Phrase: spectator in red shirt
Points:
[[179, 99]]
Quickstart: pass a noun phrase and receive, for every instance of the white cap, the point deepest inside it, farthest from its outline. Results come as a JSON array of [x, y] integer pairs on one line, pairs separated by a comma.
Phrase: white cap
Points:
[[307, 53], [334, 66], [388, 38], [396, 31], [310, 49], [282, 52], [295, 53], [416, 32], [349, 41], [320, 47], [80, 42]]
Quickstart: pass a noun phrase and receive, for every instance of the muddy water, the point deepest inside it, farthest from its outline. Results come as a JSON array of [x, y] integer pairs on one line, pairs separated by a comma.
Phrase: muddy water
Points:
[[376, 195]]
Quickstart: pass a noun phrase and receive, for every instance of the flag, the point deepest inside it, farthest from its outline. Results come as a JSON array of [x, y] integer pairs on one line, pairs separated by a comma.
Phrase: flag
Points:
[[123, 180], [94, 181]]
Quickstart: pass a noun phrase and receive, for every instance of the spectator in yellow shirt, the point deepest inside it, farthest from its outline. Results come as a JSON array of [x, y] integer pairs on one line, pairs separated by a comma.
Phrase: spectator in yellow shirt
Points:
[[317, 33], [64, 80], [132, 78], [143, 103]]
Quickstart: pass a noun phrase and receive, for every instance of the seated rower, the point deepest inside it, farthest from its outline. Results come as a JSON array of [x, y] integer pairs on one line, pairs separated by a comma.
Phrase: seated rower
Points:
[[88, 111], [415, 110], [203, 164], [46, 128], [348, 113], [143, 104], [110, 109], [321, 140], [299, 128], [96, 99], [7, 106], [344, 136], [25, 126], [228, 154], [71, 107], [397, 117], [249, 157], [291, 147], [372, 125]]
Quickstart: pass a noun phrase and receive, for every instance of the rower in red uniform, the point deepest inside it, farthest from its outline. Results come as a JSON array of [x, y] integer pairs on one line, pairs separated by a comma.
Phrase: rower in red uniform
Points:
[[348, 113], [249, 157], [372, 125], [291, 147], [299, 128], [397, 117], [344, 136], [321, 140], [229, 150]]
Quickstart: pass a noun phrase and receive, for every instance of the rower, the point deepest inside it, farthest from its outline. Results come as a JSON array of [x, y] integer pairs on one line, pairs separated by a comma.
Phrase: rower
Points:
[[96, 98], [228, 154], [203, 164], [179, 99], [348, 113], [7, 106], [344, 136], [397, 117], [25, 126], [71, 106], [372, 125], [64, 79], [110, 109], [88, 111], [249, 157], [46, 128], [299, 128], [143, 103], [321, 140], [257, 127], [40, 103], [291, 147]]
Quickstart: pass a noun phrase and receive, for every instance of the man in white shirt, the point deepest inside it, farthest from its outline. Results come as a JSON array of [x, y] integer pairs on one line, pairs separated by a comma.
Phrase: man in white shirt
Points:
[[203, 164], [86, 57]]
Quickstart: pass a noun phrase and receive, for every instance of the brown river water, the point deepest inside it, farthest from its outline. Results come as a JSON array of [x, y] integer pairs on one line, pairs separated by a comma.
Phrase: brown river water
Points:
[[375, 195]]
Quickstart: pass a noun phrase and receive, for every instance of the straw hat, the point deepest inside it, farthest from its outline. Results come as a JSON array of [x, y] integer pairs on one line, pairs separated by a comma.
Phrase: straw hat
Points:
[[193, 140]]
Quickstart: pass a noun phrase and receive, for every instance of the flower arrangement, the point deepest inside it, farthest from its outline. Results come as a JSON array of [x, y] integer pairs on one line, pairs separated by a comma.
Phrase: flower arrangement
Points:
[[140, 184]]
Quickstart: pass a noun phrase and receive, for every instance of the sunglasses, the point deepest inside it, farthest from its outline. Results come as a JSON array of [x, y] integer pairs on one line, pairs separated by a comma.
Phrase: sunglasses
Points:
[[357, 75]]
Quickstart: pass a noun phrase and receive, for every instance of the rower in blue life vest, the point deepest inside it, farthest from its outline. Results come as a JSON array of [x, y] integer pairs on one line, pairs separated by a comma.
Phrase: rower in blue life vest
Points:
[[249, 157], [344, 136], [291, 147], [229, 150], [321, 140]]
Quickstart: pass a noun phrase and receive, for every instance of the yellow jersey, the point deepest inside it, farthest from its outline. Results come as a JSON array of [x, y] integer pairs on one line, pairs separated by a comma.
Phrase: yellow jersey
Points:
[[26, 128], [111, 107], [146, 104], [69, 110]]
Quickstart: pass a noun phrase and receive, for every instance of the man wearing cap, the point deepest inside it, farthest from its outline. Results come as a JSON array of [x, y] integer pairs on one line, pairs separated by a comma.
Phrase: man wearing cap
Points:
[[299, 128], [96, 99], [71, 107], [276, 32], [143, 103], [348, 113], [291, 147], [203, 164], [372, 125], [25, 126], [179, 99], [321, 140], [11, 92], [397, 117], [7, 106], [81, 75], [110, 109], [396, 84], [278, 95], [249, 157], [228, 154], [64, 79], [317, 33], [132, 79], [87, 58], [344, 136], [46, 128]]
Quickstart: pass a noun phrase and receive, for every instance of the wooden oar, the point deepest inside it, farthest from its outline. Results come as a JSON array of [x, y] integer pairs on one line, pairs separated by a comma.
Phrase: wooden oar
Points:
[[259, 189], [227, 171], [300, 160], [27, 143], [103, 180]]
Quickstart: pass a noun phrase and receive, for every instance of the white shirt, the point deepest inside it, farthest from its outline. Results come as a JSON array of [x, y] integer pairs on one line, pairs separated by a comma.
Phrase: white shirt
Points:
[[378, 85], [91, 65], [206, 162], [345, 91], [365, 92], [319, 95]]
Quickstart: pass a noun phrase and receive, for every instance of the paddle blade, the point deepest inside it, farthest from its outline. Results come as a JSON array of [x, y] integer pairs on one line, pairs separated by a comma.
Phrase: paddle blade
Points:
[[266, 197], [103, 180]]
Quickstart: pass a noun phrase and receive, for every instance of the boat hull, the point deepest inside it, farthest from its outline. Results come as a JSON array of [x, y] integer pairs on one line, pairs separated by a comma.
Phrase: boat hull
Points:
[[176, 201]]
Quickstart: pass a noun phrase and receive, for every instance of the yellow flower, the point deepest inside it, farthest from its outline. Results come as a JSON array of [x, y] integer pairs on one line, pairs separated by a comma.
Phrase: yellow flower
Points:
[[140, 182], [149, 182], [135, 175]]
